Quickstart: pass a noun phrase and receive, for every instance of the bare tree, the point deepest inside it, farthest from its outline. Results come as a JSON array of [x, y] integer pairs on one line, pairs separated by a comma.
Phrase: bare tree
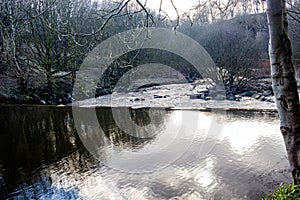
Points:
[[10, 28], [50, 38], [284, 82], [234, 51]]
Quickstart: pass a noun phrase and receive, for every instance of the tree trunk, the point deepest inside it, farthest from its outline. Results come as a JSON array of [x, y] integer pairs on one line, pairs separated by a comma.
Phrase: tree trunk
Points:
[[284, 82]]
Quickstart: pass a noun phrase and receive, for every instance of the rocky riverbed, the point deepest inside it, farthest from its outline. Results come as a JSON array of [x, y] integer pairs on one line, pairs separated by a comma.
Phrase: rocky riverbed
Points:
[[255, 95]]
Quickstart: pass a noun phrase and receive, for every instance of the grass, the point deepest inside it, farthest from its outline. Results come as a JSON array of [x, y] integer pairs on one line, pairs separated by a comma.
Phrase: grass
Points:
[[284, 192]]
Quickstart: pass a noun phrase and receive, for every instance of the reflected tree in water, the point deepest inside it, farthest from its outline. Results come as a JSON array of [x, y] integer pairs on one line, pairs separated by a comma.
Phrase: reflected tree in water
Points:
[[33, 137]]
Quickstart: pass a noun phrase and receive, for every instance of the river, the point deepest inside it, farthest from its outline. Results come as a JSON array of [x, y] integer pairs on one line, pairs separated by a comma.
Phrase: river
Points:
[[52, 153]]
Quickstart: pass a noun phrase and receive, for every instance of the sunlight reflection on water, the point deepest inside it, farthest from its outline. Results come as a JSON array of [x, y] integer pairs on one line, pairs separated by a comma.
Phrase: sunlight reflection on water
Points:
[[41, 156]]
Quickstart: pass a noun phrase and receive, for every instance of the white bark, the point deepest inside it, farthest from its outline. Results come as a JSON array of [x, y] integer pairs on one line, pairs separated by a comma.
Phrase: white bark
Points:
[[284, 83]]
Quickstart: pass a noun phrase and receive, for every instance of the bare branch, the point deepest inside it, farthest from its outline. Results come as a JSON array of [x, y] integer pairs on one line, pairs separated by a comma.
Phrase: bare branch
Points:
[[294, 18], [293, 11], [118, 11], [146, 11], [177, 13]]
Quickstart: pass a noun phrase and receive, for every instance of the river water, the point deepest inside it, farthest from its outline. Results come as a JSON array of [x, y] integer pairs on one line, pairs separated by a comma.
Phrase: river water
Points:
[[60, 153]]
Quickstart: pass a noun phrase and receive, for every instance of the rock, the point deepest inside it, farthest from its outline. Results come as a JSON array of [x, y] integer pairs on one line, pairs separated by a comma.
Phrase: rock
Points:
[[256, 96], [147, 86], [247, 94], [69, 96], [231, 98], [136, 99], [237, 97], [156, 96], [200, 96], [204, 93], [194, 96], [3, 97], [219, 97], [270, 100], [262, 98], [267, 93], [216, 90], [190, 80], [207, 98]]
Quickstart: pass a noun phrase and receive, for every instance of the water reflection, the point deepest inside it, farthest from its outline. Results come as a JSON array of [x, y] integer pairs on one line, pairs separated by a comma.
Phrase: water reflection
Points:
[[42, 155], [33, 137]]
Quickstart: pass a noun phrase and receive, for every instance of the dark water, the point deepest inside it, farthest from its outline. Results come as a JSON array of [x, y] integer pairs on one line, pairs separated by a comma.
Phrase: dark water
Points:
[[161, 155]]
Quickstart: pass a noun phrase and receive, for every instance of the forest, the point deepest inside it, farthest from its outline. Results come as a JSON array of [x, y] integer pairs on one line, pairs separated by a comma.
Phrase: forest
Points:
[[43, 43]]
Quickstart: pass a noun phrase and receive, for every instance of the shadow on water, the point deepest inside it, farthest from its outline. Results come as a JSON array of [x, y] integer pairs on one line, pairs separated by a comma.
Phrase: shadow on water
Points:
[[31, 138], [42, 155]]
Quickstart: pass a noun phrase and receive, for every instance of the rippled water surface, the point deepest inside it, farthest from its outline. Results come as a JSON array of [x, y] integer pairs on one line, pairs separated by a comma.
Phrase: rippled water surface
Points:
[[138, 154]]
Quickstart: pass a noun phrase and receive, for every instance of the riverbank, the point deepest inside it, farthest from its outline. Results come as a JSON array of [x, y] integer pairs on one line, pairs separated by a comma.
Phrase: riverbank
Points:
[[195, 95], [255, 95]]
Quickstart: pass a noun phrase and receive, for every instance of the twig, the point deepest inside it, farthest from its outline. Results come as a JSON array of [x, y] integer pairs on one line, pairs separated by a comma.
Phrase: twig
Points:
[[146, 11], [294, 18], [119, 10], [178, 17]]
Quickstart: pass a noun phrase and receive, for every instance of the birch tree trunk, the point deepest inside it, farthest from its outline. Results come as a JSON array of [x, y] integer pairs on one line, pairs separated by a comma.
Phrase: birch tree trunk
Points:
[[284, 82]]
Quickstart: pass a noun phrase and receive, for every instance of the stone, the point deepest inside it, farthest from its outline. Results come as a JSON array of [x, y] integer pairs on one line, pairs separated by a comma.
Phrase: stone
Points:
[[194, 96], [256, 96], [204, 93], [247, 94], [207, 98], [156, 96], [231, 98], [237, 97], [267, 93], [262, 98], [219, 97]]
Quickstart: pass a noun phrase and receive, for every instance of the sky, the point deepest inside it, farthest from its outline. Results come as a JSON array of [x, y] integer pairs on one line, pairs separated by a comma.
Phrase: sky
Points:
[[181, 5]]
